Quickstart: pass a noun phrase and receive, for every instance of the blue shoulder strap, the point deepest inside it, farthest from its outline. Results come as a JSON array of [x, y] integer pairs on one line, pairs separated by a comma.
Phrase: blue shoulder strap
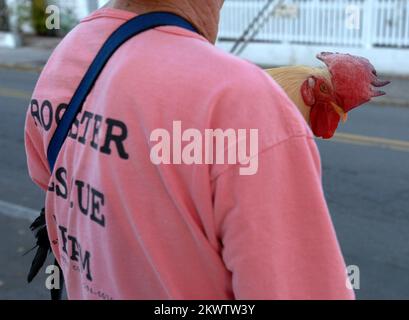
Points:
[[128, 30]]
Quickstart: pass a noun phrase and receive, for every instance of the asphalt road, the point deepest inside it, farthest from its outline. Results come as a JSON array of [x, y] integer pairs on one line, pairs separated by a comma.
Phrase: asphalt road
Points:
[[366, 181]]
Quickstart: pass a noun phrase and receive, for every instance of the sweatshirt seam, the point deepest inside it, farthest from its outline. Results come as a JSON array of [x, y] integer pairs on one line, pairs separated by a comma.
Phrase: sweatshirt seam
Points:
[[228, 168], [105, 14]]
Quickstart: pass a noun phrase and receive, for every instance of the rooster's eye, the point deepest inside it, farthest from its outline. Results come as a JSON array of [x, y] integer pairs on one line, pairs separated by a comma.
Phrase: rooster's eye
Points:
[[323, 88]]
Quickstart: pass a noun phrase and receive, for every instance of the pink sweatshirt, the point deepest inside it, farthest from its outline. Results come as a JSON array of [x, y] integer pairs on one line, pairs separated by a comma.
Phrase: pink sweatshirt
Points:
[[125, 227]]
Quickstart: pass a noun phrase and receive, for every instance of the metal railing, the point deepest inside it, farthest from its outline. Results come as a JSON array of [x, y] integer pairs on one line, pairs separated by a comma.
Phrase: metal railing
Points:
[[357, 23]]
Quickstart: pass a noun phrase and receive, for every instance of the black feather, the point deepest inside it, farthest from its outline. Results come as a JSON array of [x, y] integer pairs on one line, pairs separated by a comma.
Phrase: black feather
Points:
[[39, 229], [56, 294], [39, 221], [38, 262]]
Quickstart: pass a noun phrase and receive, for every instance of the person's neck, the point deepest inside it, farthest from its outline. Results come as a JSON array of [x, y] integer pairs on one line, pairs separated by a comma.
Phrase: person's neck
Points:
[[205, 16]]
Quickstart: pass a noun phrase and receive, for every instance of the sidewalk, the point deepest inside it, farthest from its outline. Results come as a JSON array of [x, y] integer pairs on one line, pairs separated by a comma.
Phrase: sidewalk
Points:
[[35, 54], [16, 240], [32, 56]]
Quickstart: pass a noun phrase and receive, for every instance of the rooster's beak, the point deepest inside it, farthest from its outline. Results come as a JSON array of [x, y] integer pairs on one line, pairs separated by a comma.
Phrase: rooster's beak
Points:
[[340, 111]]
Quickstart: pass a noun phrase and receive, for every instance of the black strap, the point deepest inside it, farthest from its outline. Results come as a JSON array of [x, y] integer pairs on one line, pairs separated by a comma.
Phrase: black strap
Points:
[[128, 30]]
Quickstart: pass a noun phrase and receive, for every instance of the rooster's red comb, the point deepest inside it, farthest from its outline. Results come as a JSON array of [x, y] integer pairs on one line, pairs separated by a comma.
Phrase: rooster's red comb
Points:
[[353, 78]]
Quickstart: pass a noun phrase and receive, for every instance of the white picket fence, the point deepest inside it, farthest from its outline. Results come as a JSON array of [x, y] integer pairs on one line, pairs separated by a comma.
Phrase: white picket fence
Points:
[[352, 23]]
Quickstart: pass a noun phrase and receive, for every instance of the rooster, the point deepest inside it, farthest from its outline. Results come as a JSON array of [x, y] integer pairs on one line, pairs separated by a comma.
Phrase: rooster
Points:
[[324, 96]]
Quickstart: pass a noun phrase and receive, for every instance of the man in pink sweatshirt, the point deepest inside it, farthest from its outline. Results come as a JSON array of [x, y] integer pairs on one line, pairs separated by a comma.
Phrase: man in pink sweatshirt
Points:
[[142, 204]]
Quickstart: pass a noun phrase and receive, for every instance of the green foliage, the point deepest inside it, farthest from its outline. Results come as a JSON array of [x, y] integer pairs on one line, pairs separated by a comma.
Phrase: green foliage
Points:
[[39, 17], [33, 12], [68, 20], [23, 12]]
